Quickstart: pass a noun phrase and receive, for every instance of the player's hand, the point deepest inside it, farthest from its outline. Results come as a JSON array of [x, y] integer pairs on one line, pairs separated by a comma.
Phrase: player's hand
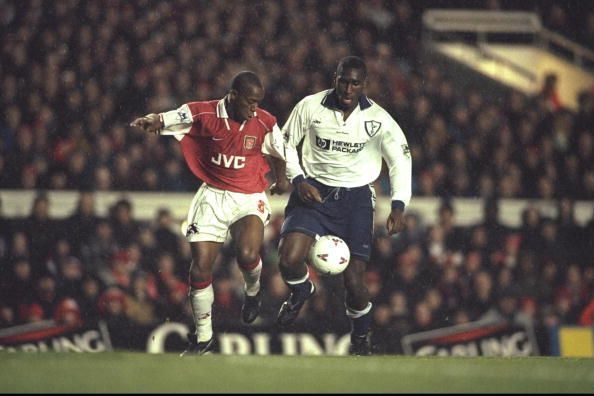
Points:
[[281, 186], [308, 193], [395, 222], [149, 123]]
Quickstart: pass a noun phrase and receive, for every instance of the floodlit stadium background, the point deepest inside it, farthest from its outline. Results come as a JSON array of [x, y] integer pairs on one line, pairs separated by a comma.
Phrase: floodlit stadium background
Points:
[[500, 228]]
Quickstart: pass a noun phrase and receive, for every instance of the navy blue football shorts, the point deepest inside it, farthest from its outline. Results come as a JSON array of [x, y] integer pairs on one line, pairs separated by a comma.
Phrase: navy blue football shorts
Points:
[[344, 212]]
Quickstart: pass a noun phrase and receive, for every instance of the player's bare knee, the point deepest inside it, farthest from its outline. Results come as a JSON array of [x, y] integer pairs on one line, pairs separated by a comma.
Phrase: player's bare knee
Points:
[[292, 267], [246, 257], [291, 259], [199, 275]]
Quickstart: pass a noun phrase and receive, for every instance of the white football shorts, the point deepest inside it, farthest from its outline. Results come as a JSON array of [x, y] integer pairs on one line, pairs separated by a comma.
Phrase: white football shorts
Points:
[[213, 211]]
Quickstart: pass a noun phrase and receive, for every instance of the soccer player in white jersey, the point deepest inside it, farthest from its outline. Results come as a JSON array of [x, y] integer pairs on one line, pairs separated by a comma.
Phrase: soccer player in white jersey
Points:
[[226, 144], [345, 136]]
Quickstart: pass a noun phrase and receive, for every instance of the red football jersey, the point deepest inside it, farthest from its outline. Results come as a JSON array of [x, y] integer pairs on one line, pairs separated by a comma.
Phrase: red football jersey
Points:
[[224, 153]]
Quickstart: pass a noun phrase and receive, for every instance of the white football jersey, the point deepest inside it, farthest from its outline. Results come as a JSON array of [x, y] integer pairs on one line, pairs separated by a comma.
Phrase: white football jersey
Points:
[[347, 153]]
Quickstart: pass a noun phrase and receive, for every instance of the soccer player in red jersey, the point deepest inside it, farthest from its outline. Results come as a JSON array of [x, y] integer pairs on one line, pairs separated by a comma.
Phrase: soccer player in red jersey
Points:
[[230, 144]]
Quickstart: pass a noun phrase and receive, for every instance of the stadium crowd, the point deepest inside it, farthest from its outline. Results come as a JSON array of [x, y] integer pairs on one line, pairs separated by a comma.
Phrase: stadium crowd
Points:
[[133, 273], [69, 90]]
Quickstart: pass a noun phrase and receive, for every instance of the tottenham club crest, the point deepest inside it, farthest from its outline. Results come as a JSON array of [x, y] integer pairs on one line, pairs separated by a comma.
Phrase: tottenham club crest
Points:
[[372, 127]]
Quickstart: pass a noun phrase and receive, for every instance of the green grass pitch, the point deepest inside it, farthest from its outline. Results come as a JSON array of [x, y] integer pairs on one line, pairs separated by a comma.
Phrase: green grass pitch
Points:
[[126, 372]]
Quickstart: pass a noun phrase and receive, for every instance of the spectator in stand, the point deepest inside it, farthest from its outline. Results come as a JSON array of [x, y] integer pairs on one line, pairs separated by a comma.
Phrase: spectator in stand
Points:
[[573, 292], [435, 302], [589, 237], [530, 228], [81, 224], [30, 313], [165, 236], [141, 299], [41, 231], [18, 283], [587, 314], [526, 272], [422, 318], [506, 308], [146, 247], [383, 253], [481, 297], [125, 228], [97, 251], [112, 309], [550, 93], [89, 298], [5, 232], [570, 234], [495, 230], [68, 313], [7, 315], [46, 294], [69, 277], [453, 234]]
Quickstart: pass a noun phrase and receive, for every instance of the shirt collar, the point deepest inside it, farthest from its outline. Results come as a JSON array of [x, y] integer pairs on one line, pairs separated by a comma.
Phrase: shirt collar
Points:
[[331, 101], [221, 109]]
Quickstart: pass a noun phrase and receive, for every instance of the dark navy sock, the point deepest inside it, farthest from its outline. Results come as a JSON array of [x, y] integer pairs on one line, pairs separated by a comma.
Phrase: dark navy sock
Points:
[[300, 291], [360, 326]]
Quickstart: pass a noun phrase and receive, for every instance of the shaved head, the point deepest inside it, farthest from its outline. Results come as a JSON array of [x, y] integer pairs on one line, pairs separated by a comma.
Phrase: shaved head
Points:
[[245, 80], [351, 62], [246, 93]]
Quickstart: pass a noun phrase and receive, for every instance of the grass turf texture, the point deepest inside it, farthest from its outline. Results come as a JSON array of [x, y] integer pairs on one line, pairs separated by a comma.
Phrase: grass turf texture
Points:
[[168, 373]]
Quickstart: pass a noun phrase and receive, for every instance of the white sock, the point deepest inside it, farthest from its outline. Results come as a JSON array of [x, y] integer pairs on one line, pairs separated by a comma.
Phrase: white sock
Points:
[[298, 281], [252, 279], [201, 301], [354, 314]]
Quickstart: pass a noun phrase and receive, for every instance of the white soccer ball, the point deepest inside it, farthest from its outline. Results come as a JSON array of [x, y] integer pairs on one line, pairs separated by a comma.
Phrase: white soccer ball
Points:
[[329, 255]]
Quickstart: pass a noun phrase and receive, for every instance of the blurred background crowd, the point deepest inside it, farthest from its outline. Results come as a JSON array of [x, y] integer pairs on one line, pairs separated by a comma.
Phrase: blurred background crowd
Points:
[[74, 73]]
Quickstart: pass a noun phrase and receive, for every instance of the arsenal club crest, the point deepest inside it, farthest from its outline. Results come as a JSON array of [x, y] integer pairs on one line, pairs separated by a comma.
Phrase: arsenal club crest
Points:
[[372, 127], [249, 142]]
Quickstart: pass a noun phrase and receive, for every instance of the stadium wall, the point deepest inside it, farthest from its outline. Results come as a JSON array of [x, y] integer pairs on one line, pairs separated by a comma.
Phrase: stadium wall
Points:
[[469, 211]]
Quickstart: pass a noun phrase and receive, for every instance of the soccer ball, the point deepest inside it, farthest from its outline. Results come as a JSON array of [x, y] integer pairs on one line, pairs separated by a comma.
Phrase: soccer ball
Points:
[[329, 255]]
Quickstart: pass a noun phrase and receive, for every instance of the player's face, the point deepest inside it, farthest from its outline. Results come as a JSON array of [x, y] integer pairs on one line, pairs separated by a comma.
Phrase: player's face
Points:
[[245, 103], [349, 84]]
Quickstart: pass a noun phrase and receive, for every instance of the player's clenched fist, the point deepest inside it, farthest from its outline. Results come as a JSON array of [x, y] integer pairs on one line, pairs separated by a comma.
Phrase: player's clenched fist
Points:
[[149, 123], [308, 193], [395, 222]]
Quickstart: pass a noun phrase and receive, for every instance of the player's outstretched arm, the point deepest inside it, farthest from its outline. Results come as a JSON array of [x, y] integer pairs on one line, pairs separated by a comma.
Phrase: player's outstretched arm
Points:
[[151, 123]]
